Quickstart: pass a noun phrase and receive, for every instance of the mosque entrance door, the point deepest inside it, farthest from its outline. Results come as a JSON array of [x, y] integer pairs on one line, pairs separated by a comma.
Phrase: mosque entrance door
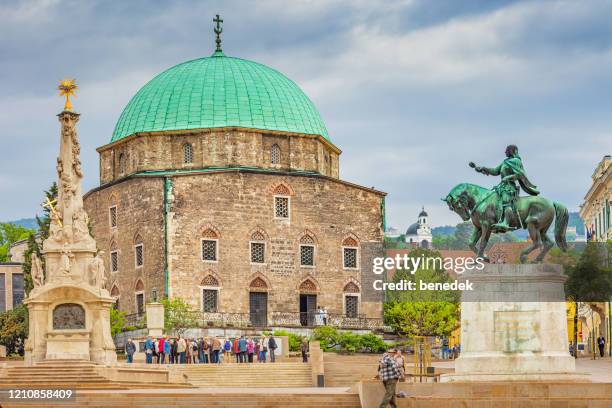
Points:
[[308, 306], [258, 305]]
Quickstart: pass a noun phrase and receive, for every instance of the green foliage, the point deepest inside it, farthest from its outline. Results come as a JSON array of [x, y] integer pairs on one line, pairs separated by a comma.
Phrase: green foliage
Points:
[[460, 239], [295, 340], [422, 313], [333, 340], [118, 322], [34, 241], [372, 343], [421, 318], [396, 243], [178, 316], [9, 234], [13, 327], [590, 278]]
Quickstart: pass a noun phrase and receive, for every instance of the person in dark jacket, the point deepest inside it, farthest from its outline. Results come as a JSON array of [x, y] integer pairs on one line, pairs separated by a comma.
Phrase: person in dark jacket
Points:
[[173, 352], [272, 346], [304, 350], [130, 349]]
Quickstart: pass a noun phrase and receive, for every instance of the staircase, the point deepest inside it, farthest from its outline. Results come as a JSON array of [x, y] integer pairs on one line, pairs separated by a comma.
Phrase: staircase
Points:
[[218, 398], [344, 371], [255, 375], [75, 374]]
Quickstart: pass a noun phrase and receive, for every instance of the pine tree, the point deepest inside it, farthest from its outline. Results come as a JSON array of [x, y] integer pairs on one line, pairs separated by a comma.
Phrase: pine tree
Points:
[[35, 241]]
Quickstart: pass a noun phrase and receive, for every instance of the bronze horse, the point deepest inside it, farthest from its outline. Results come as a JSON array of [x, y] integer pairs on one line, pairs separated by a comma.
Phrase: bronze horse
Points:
[[533, 213]]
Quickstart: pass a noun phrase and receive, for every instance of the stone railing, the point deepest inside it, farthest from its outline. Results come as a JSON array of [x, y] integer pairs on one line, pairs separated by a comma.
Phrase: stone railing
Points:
[[312, 319]]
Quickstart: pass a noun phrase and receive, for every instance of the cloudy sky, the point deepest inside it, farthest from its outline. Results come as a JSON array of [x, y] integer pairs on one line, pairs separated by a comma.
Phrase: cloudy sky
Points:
[[410, 90]]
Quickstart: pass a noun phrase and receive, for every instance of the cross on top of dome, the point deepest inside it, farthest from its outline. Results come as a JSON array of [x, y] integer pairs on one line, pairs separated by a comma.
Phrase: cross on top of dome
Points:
[[218, 30]]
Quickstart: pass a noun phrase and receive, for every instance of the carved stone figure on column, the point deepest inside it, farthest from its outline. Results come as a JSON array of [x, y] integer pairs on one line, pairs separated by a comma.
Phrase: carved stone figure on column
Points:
[[65, 262], [97, 275], [79, 225], [38, 277]]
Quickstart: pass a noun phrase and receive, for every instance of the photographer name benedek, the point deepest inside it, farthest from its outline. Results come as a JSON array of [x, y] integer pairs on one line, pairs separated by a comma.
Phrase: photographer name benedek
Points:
[[423, 285]]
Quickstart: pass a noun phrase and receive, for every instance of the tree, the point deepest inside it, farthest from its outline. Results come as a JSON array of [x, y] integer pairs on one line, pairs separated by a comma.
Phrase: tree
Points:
[[9, 234], [35, 241], [422, 313], [589, 280], [461, 238], [13, 328], [178, 316], [118, 322]]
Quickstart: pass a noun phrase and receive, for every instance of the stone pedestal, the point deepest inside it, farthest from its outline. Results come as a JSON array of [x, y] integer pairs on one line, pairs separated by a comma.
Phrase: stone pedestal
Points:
[[69, 321], [514, 326], [155, 319]]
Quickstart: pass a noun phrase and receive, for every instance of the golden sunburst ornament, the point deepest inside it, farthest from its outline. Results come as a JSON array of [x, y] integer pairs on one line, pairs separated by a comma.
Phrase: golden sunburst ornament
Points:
[[67, 88]]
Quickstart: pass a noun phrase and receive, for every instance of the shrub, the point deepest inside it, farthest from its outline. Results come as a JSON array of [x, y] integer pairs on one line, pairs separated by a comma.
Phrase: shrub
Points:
[[332, 340], [13, 328], [295, 340]]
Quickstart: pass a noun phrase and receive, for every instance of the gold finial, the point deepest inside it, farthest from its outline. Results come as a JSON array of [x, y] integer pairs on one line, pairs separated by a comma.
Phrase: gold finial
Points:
[[67, 87]]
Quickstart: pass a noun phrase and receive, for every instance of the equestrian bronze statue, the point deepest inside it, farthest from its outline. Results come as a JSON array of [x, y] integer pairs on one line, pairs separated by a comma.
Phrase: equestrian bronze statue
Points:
[[501, 209]]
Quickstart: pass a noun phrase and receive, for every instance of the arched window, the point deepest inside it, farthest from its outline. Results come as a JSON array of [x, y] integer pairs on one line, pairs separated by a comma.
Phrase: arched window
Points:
[[282, 195], [351, 299], [115, 294], [258, 247], [275, 154], [210, 247], [307, 251], [122, 163], [140, 297], [210, 294], [138, 251], [350, 253], [114, 257], [187, 153]]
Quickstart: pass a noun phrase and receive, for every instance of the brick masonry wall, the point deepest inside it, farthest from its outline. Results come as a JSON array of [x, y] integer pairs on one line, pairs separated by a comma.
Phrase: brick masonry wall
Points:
[[139, 204], [235, 204], [217, 148]]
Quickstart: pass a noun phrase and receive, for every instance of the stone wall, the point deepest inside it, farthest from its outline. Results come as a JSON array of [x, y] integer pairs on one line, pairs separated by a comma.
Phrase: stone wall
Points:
[[140, 217], [235, 204], [217, 148]]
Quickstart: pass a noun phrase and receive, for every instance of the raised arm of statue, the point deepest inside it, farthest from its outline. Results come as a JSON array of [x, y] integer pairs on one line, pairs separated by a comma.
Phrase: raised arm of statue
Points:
[[489, 171]]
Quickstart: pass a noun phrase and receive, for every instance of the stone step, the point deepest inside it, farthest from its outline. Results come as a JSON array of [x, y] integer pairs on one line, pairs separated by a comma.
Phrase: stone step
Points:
[[312, 398]]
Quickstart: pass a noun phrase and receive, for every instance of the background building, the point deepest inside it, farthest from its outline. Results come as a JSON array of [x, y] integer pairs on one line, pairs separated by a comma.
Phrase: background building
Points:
[[220, 185], [595, 211], [11, 277], [419, 234]]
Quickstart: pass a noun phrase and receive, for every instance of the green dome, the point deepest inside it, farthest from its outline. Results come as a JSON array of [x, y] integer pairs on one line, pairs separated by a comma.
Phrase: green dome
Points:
[[219, 91]]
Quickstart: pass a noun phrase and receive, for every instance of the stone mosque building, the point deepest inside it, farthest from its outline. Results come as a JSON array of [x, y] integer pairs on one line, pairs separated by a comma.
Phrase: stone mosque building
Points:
[[220, 185]]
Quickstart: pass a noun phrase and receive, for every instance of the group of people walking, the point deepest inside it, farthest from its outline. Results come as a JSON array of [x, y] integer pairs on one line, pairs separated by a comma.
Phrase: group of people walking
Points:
[[205, 350]]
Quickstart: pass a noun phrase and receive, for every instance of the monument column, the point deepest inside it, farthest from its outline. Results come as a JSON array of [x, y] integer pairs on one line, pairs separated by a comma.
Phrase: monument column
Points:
[[69, 304]]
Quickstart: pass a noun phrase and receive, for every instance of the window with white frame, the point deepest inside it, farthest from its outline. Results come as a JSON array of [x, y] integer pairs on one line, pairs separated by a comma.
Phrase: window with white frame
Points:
[[275, 154], [281, 207], [350, 252], [209, 249], [187, 153], [114, 261], [139, 255], [307, 251], [112, 216]]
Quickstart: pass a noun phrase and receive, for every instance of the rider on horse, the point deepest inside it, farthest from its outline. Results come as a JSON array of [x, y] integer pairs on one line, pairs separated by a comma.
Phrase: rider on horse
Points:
[[511, 171]]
